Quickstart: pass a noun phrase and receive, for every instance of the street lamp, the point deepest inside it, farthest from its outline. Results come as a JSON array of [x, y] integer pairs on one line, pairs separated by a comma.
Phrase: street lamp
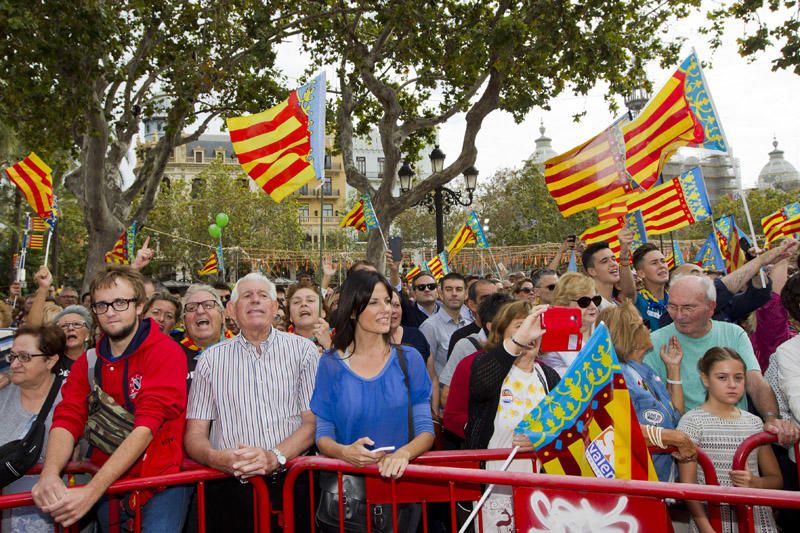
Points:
[[442, 199]]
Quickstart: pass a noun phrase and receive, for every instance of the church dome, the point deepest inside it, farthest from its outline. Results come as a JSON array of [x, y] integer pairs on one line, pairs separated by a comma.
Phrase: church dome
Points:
[[544, 148], [778, 172]]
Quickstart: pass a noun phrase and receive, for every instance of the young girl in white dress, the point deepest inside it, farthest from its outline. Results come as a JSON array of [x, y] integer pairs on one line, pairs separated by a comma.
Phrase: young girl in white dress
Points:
[[719, 427]]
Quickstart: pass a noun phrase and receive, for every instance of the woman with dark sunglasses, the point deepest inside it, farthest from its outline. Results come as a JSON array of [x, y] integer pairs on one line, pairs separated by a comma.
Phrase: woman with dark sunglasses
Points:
[[577, 291]]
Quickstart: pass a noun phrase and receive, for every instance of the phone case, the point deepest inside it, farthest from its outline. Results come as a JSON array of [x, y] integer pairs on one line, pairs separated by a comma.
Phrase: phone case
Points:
[[562, 330]]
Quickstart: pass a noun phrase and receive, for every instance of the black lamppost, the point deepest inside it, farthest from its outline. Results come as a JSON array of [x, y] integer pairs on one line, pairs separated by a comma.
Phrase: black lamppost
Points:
[[442, 198]]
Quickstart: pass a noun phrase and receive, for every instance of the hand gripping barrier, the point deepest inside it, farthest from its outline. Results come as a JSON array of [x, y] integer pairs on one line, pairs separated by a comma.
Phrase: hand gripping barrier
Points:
[[745, 512], [192, 474]]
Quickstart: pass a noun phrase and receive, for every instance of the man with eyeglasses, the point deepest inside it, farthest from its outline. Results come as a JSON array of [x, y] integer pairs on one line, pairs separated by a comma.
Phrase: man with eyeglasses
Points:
[[143, 371], [692, 300]]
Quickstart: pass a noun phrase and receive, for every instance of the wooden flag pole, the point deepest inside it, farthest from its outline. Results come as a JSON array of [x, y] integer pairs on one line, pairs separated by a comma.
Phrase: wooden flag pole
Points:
[[743, 196], [487, 492]]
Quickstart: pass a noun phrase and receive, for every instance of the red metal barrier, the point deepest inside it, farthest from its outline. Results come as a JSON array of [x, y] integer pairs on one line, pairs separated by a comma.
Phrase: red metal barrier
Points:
[[424, 484], [745, 512], [196, 475]]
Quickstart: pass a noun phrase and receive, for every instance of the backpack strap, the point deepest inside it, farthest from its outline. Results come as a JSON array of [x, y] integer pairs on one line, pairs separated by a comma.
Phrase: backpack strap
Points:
[[401, 358], [91, 364], [51, 398], [474, 342]]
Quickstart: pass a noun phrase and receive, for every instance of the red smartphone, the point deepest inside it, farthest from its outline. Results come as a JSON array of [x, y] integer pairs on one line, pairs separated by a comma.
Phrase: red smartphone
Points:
[[562, 327]]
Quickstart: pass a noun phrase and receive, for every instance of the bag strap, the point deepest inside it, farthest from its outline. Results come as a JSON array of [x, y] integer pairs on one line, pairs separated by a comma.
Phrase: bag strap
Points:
[[94, 365], [401, 358], [51, 398], [474, 342]]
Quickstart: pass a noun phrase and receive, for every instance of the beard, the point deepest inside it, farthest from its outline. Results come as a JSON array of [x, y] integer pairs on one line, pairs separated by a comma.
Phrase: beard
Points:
[[123, 333]]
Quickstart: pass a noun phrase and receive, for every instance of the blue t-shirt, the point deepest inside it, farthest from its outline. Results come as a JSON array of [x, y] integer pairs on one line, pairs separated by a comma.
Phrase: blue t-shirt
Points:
[[651, 310], [653, 406], [349, 406]]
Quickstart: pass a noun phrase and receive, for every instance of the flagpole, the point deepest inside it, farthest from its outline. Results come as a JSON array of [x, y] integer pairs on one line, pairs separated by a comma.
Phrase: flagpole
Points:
[[496, 266], [487, 492], [321, 246], [743, 196], [47, 248]]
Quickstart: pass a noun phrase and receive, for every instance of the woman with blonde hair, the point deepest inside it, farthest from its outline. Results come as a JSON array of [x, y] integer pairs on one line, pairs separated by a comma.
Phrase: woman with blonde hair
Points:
[[578, 291], [658, 407]]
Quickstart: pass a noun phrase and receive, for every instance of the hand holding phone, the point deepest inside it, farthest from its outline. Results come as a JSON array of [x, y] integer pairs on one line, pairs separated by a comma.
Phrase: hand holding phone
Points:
[[562, 327], [386, 449]]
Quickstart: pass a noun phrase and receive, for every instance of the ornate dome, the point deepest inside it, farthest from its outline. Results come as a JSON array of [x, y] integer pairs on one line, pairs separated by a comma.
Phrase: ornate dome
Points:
[[778, 172], [544, 149]]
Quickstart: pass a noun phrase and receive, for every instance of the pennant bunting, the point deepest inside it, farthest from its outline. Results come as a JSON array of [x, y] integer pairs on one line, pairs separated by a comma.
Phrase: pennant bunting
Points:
[[34, 179], [675, 204], [355, 218], [464, 236], [283, 148], [587, 425]]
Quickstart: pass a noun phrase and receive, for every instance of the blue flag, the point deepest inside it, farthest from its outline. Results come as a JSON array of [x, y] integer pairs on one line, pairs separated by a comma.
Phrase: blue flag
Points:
[[370, 218], [710, 256], [475, 226]]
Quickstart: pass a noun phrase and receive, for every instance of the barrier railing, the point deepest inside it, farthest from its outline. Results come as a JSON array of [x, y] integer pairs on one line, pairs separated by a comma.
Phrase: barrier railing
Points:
[[196, 475], [744, 513]]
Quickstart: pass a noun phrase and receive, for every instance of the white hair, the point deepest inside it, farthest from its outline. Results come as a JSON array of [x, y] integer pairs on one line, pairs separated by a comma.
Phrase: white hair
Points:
[[202, 287], [255, 276], [705, 283]]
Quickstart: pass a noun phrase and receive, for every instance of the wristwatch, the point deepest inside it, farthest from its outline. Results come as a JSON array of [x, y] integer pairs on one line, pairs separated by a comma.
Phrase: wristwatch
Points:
[[279, 456]]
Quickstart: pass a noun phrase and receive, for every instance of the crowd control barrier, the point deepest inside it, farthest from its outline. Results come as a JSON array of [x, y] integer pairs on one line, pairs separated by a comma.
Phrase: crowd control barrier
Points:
[[192, 474]]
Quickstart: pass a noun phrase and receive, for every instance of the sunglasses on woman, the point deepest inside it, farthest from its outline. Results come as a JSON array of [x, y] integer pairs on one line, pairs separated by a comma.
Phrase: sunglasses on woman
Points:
[[584, 301]]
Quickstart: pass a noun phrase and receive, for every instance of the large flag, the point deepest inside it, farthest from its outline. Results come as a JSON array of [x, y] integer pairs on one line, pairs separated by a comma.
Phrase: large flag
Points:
[[680, 114], [590, 175], [587, 425], [729, 236], [283, 148], [605, 231], [355, 218], [124, 249], [464, 236], [709, 257], [438, 266], [612, 210], [680, 202], [775, 224], [33, 178], [475, 225]]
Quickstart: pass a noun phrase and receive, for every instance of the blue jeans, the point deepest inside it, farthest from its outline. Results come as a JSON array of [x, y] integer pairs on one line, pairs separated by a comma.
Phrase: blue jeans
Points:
[[165, 512]]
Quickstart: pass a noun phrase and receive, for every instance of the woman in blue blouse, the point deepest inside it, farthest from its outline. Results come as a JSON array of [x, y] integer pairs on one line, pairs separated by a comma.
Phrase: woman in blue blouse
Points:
[[361, 397], [657, 408]]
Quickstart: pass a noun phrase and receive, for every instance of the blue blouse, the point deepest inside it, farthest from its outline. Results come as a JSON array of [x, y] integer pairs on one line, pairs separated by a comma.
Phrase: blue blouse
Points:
[[348, 406], [653, 406]]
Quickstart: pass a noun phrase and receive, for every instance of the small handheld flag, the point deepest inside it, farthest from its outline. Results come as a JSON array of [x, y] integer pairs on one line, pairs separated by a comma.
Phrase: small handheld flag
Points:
[[124, 249], [34, 179], [211, 266], [355, 218], [477, 229], [464, 236]]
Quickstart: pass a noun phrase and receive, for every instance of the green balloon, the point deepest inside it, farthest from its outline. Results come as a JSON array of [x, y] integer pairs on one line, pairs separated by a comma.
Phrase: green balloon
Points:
[[215, 231], [222, 220]]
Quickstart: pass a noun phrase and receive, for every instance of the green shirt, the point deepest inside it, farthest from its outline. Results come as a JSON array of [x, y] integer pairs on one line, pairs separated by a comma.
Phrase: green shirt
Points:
[[722, 334]]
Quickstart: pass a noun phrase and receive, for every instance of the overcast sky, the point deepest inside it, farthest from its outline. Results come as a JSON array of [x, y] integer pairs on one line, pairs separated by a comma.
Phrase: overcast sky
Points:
[[753, 103]]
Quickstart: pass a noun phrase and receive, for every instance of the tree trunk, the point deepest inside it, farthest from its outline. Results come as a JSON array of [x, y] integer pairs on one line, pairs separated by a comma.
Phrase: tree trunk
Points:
[[101, 240]]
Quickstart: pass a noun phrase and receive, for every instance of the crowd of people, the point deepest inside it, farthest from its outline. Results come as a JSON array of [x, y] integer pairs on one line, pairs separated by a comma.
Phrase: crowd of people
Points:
[[379, 370]]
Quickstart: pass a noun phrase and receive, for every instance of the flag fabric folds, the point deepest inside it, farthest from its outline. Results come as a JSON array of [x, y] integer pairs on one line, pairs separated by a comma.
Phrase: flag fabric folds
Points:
[[123, 251], [605, 231], [709, 257], [411, 274], [283, 148], [675, 258], [612, 210], [590, 175], [729, 236], [370, 218], [438, 266], [587, 425], [34, 179], [667, 122], [782, 223], [680, 202], [212, 264], [355, 218], [464, 236], [475, 225]]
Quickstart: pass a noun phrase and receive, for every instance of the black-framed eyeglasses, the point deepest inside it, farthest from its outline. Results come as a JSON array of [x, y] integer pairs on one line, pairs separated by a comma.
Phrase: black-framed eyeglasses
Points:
[[208, 305], [66, 326], [425, 286], [120, 304], [24, 357], [584, 301]]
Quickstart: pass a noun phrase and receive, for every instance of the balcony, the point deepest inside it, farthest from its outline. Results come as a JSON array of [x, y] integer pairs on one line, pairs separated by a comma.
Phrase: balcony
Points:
[[330, 192], [311, 222]]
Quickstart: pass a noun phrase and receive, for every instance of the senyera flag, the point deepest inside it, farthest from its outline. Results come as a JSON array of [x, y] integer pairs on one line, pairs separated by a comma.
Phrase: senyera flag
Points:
[[464, 236], [123, 251], [34, 179], [785, 222], [283, 148], [586, 425], [212, 264], [355, 218]]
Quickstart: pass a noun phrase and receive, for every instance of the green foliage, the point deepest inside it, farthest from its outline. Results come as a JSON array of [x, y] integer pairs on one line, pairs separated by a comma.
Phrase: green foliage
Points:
[[256, 221], [521, 211], [775, 23]]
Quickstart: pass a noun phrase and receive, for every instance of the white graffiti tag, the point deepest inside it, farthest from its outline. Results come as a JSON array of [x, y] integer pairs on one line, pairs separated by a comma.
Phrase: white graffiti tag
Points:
[[562, 516]]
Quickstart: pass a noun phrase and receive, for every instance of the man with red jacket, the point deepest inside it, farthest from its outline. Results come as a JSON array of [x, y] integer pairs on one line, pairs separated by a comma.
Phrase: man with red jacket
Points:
[[134, 368]]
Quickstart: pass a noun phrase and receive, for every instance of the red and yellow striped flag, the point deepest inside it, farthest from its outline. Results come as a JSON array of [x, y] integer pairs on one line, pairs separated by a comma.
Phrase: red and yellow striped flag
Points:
[[411, 274], [605, 231], [355, 218], [211, 266], [589, 175], [282, 148], [771, 224], [612, 210], [678, 203], [464, 236], [38, 224], [35, 241], [33, 178]]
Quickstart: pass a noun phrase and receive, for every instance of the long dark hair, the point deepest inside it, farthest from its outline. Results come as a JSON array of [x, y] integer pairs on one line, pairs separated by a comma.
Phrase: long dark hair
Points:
[[356, 293]]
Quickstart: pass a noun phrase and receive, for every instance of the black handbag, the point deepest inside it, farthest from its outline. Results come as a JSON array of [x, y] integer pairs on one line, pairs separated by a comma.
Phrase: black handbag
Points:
[[354, 501], [19, 456]]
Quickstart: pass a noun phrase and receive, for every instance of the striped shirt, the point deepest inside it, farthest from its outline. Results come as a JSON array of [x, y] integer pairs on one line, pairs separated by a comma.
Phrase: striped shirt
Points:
[[254, 398]]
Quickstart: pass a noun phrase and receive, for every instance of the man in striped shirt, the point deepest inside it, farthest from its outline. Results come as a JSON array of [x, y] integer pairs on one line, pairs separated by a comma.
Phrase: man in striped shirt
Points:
[[248, 408]]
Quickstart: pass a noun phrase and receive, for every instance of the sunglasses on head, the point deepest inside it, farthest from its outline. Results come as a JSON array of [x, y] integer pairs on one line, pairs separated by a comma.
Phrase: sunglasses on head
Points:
[[584, 301], [423, 286]]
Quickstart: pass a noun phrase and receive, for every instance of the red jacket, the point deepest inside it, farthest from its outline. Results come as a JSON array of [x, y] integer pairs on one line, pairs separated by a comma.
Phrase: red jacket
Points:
[[157, 388]]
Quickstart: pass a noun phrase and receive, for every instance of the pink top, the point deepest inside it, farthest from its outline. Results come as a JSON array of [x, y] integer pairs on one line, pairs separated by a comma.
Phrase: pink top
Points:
[[772, 330]]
